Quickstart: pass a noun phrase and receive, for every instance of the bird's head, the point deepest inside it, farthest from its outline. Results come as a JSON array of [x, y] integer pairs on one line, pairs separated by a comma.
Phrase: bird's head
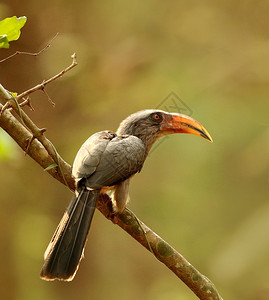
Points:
[[151, 124]]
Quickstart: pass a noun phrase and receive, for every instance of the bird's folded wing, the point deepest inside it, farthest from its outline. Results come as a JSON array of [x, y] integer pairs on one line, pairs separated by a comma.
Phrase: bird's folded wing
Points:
[[90, 153], [123, 157]]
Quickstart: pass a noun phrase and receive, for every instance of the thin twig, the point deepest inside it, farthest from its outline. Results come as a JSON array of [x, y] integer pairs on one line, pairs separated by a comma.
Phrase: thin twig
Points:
[[42, 85], [49, 99], [11, 100], [30, 53], [37, 133], [27, 101], [8, 104]]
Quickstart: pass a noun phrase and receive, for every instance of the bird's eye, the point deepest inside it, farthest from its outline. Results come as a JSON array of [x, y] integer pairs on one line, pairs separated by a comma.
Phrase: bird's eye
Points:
[[156, 117]]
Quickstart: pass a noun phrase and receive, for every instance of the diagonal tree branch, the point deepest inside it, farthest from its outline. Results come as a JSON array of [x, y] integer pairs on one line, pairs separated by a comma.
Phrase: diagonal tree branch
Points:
[[22, 136], [33, 141], [197, 282]]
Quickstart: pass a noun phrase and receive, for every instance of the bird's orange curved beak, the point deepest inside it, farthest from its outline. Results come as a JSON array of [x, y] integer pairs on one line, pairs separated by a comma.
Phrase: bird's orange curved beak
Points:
[[179, 123]]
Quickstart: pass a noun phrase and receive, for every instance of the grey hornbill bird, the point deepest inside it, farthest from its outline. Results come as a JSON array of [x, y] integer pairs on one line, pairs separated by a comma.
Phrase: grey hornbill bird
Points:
[[107, 161]]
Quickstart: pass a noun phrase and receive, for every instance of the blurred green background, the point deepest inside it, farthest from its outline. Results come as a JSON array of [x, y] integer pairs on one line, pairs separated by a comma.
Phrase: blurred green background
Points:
[[209, 201]]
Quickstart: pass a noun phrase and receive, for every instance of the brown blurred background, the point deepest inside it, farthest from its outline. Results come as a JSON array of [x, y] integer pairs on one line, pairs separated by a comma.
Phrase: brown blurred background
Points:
[[209, 201]]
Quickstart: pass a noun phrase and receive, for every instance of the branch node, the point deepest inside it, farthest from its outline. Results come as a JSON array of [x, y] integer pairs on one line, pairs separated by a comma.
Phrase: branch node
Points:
[[74, 58], [30, 140], [7, 105], [42, 131], [27, 102], [39, 132]]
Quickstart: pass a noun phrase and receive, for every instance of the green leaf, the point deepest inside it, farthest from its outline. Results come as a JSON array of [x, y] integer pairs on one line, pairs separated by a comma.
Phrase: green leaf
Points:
[[10, 30], [54, 165], [4, 41]]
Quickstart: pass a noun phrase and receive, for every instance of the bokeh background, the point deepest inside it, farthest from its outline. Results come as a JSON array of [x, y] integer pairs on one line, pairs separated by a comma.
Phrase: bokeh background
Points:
[[209, 201]]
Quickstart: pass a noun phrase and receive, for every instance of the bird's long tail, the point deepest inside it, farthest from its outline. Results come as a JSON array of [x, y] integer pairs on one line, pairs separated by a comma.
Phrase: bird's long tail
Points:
[[66, 247]]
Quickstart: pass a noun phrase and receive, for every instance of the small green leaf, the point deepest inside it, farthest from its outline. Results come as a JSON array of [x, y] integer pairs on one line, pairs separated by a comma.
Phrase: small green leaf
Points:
[[54, 165], [4, 41], [14, 94], [10, 30]]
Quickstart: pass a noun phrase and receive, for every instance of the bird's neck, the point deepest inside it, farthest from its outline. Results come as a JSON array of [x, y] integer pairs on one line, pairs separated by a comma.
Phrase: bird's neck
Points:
[[147, 139]]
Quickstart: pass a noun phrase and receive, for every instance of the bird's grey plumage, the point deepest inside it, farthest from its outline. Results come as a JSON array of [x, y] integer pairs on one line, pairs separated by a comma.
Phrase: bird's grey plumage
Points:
[[140, 125], [65, 249], [90, 153], [123, 157], [106, 159]]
